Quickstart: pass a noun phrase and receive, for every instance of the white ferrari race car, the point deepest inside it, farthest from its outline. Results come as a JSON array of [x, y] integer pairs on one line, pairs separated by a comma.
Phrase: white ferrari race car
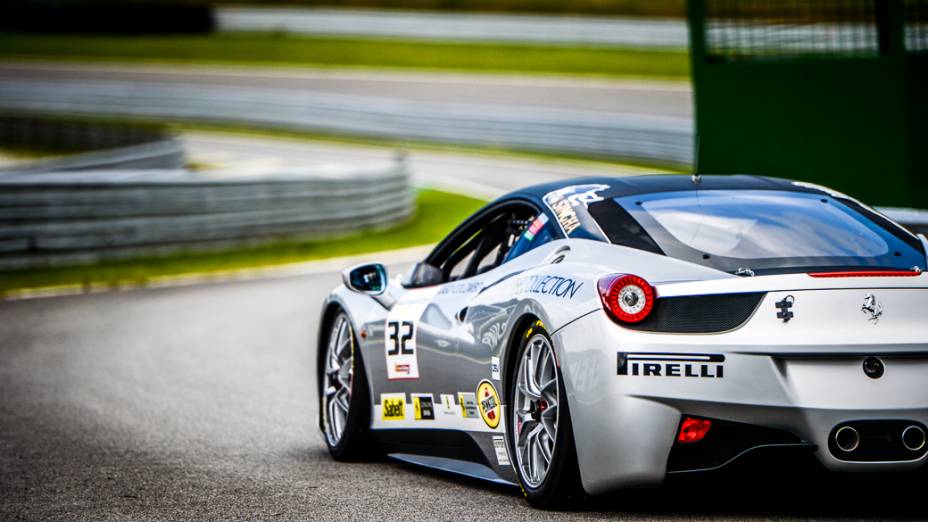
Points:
[[597, 334]]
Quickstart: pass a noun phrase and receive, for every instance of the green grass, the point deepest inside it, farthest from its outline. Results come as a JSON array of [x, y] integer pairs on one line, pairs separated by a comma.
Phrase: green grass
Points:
[[288, 50], [437, 213], [23, 152]]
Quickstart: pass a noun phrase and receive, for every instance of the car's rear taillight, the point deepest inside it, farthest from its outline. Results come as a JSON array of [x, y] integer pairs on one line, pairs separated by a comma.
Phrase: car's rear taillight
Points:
[[626, 298], [693, 430]]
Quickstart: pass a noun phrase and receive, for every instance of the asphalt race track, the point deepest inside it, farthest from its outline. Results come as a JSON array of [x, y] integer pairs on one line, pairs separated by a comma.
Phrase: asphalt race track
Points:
[[198, 403], [483, 175], [645, 98]]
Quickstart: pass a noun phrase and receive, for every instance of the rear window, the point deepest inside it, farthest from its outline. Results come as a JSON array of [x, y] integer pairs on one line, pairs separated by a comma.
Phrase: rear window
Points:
[[758, 230]]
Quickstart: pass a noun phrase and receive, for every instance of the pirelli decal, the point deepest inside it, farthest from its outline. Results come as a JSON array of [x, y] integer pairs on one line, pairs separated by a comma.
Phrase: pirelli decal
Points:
[[652, 364]]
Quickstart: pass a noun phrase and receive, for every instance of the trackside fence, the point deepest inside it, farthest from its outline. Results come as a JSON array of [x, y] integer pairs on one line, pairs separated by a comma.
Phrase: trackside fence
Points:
[[75, 217]]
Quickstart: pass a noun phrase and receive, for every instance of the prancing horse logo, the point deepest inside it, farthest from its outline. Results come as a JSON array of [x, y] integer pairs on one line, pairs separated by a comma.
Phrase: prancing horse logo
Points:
[[872, 307]]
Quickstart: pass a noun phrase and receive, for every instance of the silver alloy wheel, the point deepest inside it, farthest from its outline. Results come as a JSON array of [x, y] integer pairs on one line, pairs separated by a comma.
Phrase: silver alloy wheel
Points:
[[536, 410], [337, 379]]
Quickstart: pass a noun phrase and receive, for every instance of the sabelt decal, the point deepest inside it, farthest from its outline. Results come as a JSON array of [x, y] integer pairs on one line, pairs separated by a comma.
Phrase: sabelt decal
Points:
[[393, 406], [494, 368], [651, 364], [488, 403], [468, 402], [448, 406], [423, 406], [502, 454]]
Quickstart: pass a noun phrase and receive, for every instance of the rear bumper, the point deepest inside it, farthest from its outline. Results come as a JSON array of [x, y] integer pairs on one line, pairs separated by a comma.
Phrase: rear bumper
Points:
[[626, 418]]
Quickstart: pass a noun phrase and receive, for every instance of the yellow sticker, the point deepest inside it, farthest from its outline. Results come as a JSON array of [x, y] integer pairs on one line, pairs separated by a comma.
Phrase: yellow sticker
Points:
[[488, 404], [394, 408], [468, 405]]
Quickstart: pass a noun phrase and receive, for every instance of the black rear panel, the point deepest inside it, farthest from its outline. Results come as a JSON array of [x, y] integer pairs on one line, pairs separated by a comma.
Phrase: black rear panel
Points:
[[727, 441], [699, 313]]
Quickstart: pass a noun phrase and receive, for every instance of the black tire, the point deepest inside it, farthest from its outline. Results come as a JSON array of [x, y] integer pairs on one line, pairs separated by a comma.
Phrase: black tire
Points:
[[561, 487], [355, 442]]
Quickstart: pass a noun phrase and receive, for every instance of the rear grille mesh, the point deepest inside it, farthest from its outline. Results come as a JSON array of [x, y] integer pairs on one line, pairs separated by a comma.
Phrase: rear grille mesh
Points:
[[699, 313]]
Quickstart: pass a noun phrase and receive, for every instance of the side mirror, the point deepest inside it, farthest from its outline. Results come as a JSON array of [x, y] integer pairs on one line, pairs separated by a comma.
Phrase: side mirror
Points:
[[368, 279]]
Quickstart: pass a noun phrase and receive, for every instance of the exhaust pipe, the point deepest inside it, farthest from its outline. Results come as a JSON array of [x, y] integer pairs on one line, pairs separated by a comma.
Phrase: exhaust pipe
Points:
[[913, 438], [847, 439]]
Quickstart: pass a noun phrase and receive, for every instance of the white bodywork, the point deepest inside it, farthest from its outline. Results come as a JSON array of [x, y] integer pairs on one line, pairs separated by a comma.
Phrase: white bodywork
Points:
[[802, 376]]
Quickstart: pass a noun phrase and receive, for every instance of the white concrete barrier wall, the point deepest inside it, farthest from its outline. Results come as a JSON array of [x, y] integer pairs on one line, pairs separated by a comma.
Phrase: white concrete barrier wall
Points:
[[61, 218], [657, 139]]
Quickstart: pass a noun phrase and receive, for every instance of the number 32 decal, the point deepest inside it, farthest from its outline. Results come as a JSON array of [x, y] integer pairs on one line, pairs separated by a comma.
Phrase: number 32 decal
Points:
[[400, 329], [400, 341], [400, 347]]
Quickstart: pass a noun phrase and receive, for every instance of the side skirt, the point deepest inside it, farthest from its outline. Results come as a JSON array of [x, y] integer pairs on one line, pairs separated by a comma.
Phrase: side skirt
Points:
[[451, 451], [458, 467]]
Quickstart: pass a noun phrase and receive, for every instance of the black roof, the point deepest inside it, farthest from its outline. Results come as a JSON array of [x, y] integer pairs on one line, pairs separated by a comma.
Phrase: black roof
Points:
[[576, 221], [631, 185], [577, 207]]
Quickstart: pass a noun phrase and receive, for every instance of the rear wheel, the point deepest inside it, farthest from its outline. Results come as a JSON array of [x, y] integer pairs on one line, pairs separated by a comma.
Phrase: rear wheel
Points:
[[344, 401], [541, 434]]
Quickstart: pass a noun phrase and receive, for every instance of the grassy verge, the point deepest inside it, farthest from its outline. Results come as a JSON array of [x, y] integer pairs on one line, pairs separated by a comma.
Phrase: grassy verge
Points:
[[23, 152], [438, 212], [288, 50]]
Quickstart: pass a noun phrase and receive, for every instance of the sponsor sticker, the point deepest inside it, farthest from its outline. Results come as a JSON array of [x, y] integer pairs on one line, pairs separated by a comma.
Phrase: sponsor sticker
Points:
[[468, 402], [393, 406], [494, 368], [448, 406], [502, 454], [563, 201], [402, 362], [557, 286], [488, 403], [423, 407], [536, 225], [400, 334], [652, 364]]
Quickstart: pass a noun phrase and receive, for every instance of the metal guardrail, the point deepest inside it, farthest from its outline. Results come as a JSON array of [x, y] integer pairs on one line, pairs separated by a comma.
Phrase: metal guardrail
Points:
[[654, 139], [539, 29], [62, 218], [164, 154]]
